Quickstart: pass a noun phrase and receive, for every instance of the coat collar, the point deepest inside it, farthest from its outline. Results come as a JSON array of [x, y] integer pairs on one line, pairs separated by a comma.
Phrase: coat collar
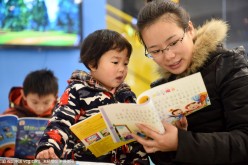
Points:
[[206, 40]]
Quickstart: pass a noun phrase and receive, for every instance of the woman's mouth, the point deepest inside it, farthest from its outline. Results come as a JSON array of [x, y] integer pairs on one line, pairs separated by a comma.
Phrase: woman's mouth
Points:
[[175, 65]]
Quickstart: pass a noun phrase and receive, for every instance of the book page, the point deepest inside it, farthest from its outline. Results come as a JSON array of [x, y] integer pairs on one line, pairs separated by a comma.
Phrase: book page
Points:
[[122, 118], [95, 136], [181, 97]]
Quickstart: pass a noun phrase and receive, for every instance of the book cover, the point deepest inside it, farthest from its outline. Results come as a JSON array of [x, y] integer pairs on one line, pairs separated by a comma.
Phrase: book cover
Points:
[[95, 136], [167, 102], [29, 132], [8, 127], [20, 136]]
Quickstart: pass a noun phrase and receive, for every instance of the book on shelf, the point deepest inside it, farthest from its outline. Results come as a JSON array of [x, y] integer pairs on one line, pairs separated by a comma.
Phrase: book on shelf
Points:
[[115, 123], [20, 135]]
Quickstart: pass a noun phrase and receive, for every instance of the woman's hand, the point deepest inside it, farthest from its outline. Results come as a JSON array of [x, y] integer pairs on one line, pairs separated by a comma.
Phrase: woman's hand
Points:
[[47, 154], [154, 141], [182, 123]]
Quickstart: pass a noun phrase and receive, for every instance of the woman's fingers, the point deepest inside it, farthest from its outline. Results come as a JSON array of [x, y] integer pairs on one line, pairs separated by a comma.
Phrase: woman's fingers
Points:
[[182, 123]]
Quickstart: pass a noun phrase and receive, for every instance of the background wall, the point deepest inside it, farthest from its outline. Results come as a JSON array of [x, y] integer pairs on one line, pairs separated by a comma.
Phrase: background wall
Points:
[[15, 64]]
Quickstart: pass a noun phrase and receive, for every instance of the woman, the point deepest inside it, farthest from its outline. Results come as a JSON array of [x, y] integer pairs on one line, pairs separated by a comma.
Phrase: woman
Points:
[[217, 134]]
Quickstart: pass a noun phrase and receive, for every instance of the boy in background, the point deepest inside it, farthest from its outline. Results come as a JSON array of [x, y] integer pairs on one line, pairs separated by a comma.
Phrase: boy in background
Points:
[[36, 98]]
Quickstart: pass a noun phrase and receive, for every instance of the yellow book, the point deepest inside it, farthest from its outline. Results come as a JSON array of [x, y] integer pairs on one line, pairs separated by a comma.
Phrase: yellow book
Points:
[[95, 136]]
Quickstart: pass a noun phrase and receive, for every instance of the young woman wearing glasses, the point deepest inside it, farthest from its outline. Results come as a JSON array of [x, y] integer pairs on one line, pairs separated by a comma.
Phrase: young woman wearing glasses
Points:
[[217, 134]]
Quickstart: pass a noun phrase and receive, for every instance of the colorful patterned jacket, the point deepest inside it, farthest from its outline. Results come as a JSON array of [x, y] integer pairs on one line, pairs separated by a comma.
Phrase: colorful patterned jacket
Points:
[[79, 101]]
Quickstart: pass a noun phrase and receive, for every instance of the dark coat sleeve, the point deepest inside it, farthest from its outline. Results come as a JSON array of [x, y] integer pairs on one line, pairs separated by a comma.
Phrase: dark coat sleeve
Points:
[[228, 145]]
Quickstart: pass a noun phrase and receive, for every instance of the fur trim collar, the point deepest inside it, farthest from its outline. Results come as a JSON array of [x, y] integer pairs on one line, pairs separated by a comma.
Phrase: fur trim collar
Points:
[[206, 40]]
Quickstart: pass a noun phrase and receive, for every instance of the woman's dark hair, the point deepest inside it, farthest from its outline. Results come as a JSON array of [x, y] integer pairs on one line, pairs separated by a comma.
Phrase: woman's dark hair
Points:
[[98, 43], [41, 82], [155, 9]]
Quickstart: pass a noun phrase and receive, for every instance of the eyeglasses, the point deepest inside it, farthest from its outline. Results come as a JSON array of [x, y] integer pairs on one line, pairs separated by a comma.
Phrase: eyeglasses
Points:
[[172, 46]]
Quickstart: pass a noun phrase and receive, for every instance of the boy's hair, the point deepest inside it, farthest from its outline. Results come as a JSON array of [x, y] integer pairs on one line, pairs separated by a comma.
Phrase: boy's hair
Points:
[[98, 43], [41, 82]]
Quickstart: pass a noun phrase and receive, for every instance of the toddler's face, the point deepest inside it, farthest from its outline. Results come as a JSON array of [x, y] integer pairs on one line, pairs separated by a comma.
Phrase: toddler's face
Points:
[[40, 104], [112, 68]]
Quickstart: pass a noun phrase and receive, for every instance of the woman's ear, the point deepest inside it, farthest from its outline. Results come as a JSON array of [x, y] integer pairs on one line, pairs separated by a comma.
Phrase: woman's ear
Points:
[[191, 29]]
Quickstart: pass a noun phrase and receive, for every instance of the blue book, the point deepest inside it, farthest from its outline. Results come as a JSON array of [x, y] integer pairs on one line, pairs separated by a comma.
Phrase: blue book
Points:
[[8, 128], [21, 135]]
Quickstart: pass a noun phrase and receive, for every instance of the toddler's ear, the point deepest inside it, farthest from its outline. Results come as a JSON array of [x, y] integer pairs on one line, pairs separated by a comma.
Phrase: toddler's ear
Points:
[[92, 68]]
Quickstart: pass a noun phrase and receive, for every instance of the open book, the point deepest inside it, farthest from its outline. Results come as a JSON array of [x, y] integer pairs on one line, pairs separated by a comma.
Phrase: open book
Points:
[[167, 102], [94, 134], [20, 135], [112, 127]]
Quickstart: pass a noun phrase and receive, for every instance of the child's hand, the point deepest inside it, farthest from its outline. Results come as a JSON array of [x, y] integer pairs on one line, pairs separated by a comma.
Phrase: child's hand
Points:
[[47, 154]]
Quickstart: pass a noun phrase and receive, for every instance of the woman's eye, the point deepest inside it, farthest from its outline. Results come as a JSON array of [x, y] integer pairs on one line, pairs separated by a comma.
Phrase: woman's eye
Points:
[[155, 51], [174, 43], [115, 62]]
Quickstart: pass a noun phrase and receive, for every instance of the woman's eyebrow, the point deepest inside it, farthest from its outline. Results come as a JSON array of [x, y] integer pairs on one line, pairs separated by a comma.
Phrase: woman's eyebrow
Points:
[[166, 40]]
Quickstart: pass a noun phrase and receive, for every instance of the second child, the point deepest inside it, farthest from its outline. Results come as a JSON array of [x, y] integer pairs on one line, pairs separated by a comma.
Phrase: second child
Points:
[[37, 97], [106, 54]]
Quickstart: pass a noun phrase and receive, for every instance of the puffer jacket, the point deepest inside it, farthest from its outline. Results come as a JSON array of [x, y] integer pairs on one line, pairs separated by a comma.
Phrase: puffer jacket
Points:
[[18, 106], [217, 134], [79, 101]]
